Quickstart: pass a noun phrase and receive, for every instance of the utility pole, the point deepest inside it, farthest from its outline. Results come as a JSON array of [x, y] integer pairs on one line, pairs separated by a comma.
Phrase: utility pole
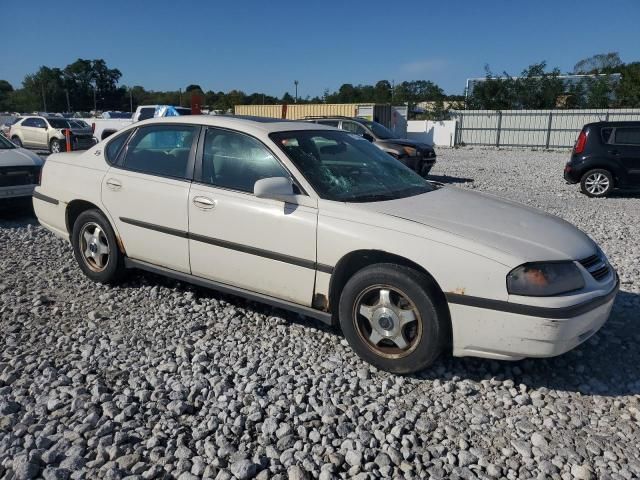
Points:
[[66, 91], [44, 99], [131, 100], [180, 90], [296, 98]]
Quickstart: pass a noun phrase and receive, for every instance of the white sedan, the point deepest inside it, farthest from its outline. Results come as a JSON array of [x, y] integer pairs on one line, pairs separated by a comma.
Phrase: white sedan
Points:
[[19, 170], [321, 222]]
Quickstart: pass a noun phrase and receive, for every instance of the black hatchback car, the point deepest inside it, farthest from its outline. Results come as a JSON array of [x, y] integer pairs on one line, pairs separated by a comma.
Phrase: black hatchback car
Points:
[[605, 156], [419, 157]]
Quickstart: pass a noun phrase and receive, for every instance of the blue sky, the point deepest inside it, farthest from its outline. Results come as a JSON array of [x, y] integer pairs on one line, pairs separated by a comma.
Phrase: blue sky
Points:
[[266, 45]]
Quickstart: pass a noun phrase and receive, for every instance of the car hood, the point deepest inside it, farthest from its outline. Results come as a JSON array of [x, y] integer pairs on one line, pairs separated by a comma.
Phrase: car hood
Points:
[[517, 230], [19, 157], [405, 142]]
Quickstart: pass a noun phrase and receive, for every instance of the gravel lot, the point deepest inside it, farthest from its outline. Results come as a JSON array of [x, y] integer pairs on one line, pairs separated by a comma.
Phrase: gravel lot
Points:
[[158, 379]]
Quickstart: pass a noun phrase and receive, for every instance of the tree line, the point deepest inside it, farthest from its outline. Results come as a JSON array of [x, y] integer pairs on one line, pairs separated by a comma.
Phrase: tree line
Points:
[[538, 87], [87, 85]]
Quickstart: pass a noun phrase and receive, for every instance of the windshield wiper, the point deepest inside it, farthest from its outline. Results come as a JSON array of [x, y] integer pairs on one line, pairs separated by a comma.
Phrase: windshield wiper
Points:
[[373, 197]]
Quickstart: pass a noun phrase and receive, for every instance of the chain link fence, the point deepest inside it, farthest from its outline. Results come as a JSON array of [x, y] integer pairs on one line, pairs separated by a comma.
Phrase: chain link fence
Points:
[[530, 128]]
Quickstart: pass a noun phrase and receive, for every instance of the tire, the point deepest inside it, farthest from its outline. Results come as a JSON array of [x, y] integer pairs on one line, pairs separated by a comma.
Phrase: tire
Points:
[[425, 168], [16, 140], [597, 183], [390, 346], [89, 248], [56, 146]]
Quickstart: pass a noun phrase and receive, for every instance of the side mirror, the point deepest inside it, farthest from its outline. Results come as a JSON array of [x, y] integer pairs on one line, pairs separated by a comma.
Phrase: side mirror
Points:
[[366, 136], [276, 188]]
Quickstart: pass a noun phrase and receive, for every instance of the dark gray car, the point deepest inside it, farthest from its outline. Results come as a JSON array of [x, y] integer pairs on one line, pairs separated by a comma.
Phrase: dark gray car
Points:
[[420, 157]]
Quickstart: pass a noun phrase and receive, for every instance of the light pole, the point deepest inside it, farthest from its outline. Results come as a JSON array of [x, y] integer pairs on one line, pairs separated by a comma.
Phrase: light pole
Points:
[[295, 100]]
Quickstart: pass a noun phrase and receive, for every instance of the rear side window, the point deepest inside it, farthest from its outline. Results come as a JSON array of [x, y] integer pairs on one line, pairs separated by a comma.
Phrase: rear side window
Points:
[[606, 134], [628, 135], [330, 123], [161, 150], [146, 113], [114, 146]]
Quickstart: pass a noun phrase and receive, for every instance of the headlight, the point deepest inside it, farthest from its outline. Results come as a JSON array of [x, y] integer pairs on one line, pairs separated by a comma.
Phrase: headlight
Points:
[[409, 151], [544, 279]]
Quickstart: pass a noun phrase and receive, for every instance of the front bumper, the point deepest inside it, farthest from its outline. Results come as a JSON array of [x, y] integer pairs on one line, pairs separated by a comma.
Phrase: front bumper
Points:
[[503, 335], [16, 191]]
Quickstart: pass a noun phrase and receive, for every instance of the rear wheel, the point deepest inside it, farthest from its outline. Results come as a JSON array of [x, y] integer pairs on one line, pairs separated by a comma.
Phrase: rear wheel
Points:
[[96, 249], [55, 146], [388, 315], [16, 140], [597, 183]]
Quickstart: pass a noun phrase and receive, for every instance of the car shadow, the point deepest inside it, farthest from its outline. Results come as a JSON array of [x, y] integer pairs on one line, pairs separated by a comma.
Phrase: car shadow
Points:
[[604, 365], [631, 193], [17, 210], [449, 179]]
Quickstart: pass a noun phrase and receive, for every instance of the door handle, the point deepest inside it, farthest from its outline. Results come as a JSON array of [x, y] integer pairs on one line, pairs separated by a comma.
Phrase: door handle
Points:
[[204, 203], [114, 184], [614, 152]]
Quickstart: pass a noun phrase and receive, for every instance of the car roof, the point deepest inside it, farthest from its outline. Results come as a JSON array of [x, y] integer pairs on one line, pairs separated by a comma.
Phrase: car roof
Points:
[[621, 123], [257, 124]]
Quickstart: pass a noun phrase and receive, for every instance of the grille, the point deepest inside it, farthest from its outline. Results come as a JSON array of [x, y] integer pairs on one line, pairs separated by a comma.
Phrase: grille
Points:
[[14, 176], [596, 266]]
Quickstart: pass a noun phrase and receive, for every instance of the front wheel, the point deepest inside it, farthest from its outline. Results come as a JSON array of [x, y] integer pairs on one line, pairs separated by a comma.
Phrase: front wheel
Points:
[[16, 141], [597, 183], [96, 249], [388, 314], [425, 168], [55, 146]]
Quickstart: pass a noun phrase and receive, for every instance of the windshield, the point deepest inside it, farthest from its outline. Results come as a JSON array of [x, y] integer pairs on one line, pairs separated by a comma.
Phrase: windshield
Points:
[[58, 123], [5, 144], [79, 124], [347, 168], [380, 131]]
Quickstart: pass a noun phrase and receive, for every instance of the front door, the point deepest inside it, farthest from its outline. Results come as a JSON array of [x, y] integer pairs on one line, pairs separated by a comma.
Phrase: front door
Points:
[[627, 148], [261, 245], [147, 192]]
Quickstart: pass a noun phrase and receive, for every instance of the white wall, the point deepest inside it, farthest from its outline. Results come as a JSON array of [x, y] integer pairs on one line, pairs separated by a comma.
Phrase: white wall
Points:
[[440, 134]]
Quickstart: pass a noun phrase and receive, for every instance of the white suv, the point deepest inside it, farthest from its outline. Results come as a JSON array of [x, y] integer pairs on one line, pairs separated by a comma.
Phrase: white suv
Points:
[[322, 222]]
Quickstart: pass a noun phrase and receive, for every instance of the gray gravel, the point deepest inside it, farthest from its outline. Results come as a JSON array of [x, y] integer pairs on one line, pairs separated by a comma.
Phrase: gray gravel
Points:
[[159, 379]]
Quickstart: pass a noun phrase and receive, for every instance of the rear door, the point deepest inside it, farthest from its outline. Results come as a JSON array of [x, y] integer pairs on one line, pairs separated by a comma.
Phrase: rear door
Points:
[[147, 190], [626, 146]]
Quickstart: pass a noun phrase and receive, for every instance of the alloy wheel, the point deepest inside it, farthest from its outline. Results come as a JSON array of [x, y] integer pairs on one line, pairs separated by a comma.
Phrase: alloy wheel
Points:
[[94, 246], [387, 321], [597, 183]]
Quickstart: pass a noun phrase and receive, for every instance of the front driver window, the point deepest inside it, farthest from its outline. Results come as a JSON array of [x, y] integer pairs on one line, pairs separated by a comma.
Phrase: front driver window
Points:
[[161, 150], [237, 161]]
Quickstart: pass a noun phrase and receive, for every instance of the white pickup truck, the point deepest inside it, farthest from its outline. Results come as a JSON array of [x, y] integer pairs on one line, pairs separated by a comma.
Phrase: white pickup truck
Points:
[[103, 127]]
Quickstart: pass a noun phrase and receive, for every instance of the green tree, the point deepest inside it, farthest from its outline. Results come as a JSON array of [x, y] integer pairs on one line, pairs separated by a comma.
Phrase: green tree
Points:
[[6, 89]]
